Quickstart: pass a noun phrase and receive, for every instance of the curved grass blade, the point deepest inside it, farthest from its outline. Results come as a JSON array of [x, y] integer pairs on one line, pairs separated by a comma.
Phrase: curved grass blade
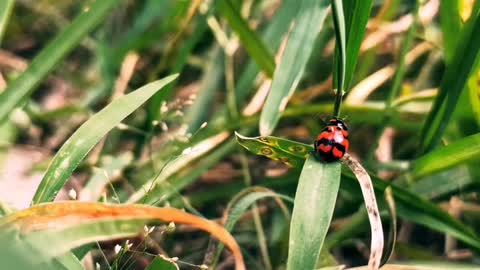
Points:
[[241, 203], [292, 153], [6, 8], [376, 245], [312, 212], [21, 88], [307, 24], [251, 41], [68, 225], [409, 205], [87, 135], [454, 154], [464, 62]]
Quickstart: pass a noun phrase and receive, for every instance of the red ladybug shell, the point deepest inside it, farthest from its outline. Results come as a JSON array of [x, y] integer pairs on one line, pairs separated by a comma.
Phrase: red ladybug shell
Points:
[[333, 142]]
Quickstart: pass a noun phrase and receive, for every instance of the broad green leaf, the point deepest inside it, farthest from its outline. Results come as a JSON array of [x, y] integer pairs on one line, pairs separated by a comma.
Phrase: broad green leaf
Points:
[[356, 13], [451, 25], [68, 225], [251, 41], [21, 88], [162, 263], [312, 212], [455, 78], [6, 7], [446, 157], [409, 205], [307, 24], [82, 141]]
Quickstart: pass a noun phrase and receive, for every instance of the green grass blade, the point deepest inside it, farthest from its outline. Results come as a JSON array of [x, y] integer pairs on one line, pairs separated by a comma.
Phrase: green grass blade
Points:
[[456, 153], [20, 89], [307, 24], [6, 7], [340, 54], [409, 205], [211, 78], [83, 140], [272, 36], [357, 13], [312, 212], [249, 38], [464, 62], [451, 25]]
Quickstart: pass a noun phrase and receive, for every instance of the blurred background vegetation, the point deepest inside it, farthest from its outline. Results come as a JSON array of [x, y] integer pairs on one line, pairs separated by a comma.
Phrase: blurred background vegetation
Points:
[[412, 105]]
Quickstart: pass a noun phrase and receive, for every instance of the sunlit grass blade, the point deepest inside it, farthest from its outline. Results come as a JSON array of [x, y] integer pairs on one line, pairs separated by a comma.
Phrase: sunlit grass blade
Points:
[[71, 224], [21, 88], [250, 40], [312, 212], [409, 205], [356, 13], [307, 24], [82, 141], [446, 157], [6, 7], [466, 58]]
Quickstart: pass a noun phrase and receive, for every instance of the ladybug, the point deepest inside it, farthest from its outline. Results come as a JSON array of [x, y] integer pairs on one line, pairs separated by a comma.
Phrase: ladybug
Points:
[[332, 143]]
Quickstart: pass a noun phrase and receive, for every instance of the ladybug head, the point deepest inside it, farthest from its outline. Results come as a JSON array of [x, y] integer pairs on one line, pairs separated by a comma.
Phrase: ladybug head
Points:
[[338, 123]]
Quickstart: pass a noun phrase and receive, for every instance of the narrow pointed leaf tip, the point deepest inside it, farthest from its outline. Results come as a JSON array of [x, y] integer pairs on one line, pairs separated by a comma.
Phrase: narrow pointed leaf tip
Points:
[[307, 24], [72, 224], [88, 135]]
